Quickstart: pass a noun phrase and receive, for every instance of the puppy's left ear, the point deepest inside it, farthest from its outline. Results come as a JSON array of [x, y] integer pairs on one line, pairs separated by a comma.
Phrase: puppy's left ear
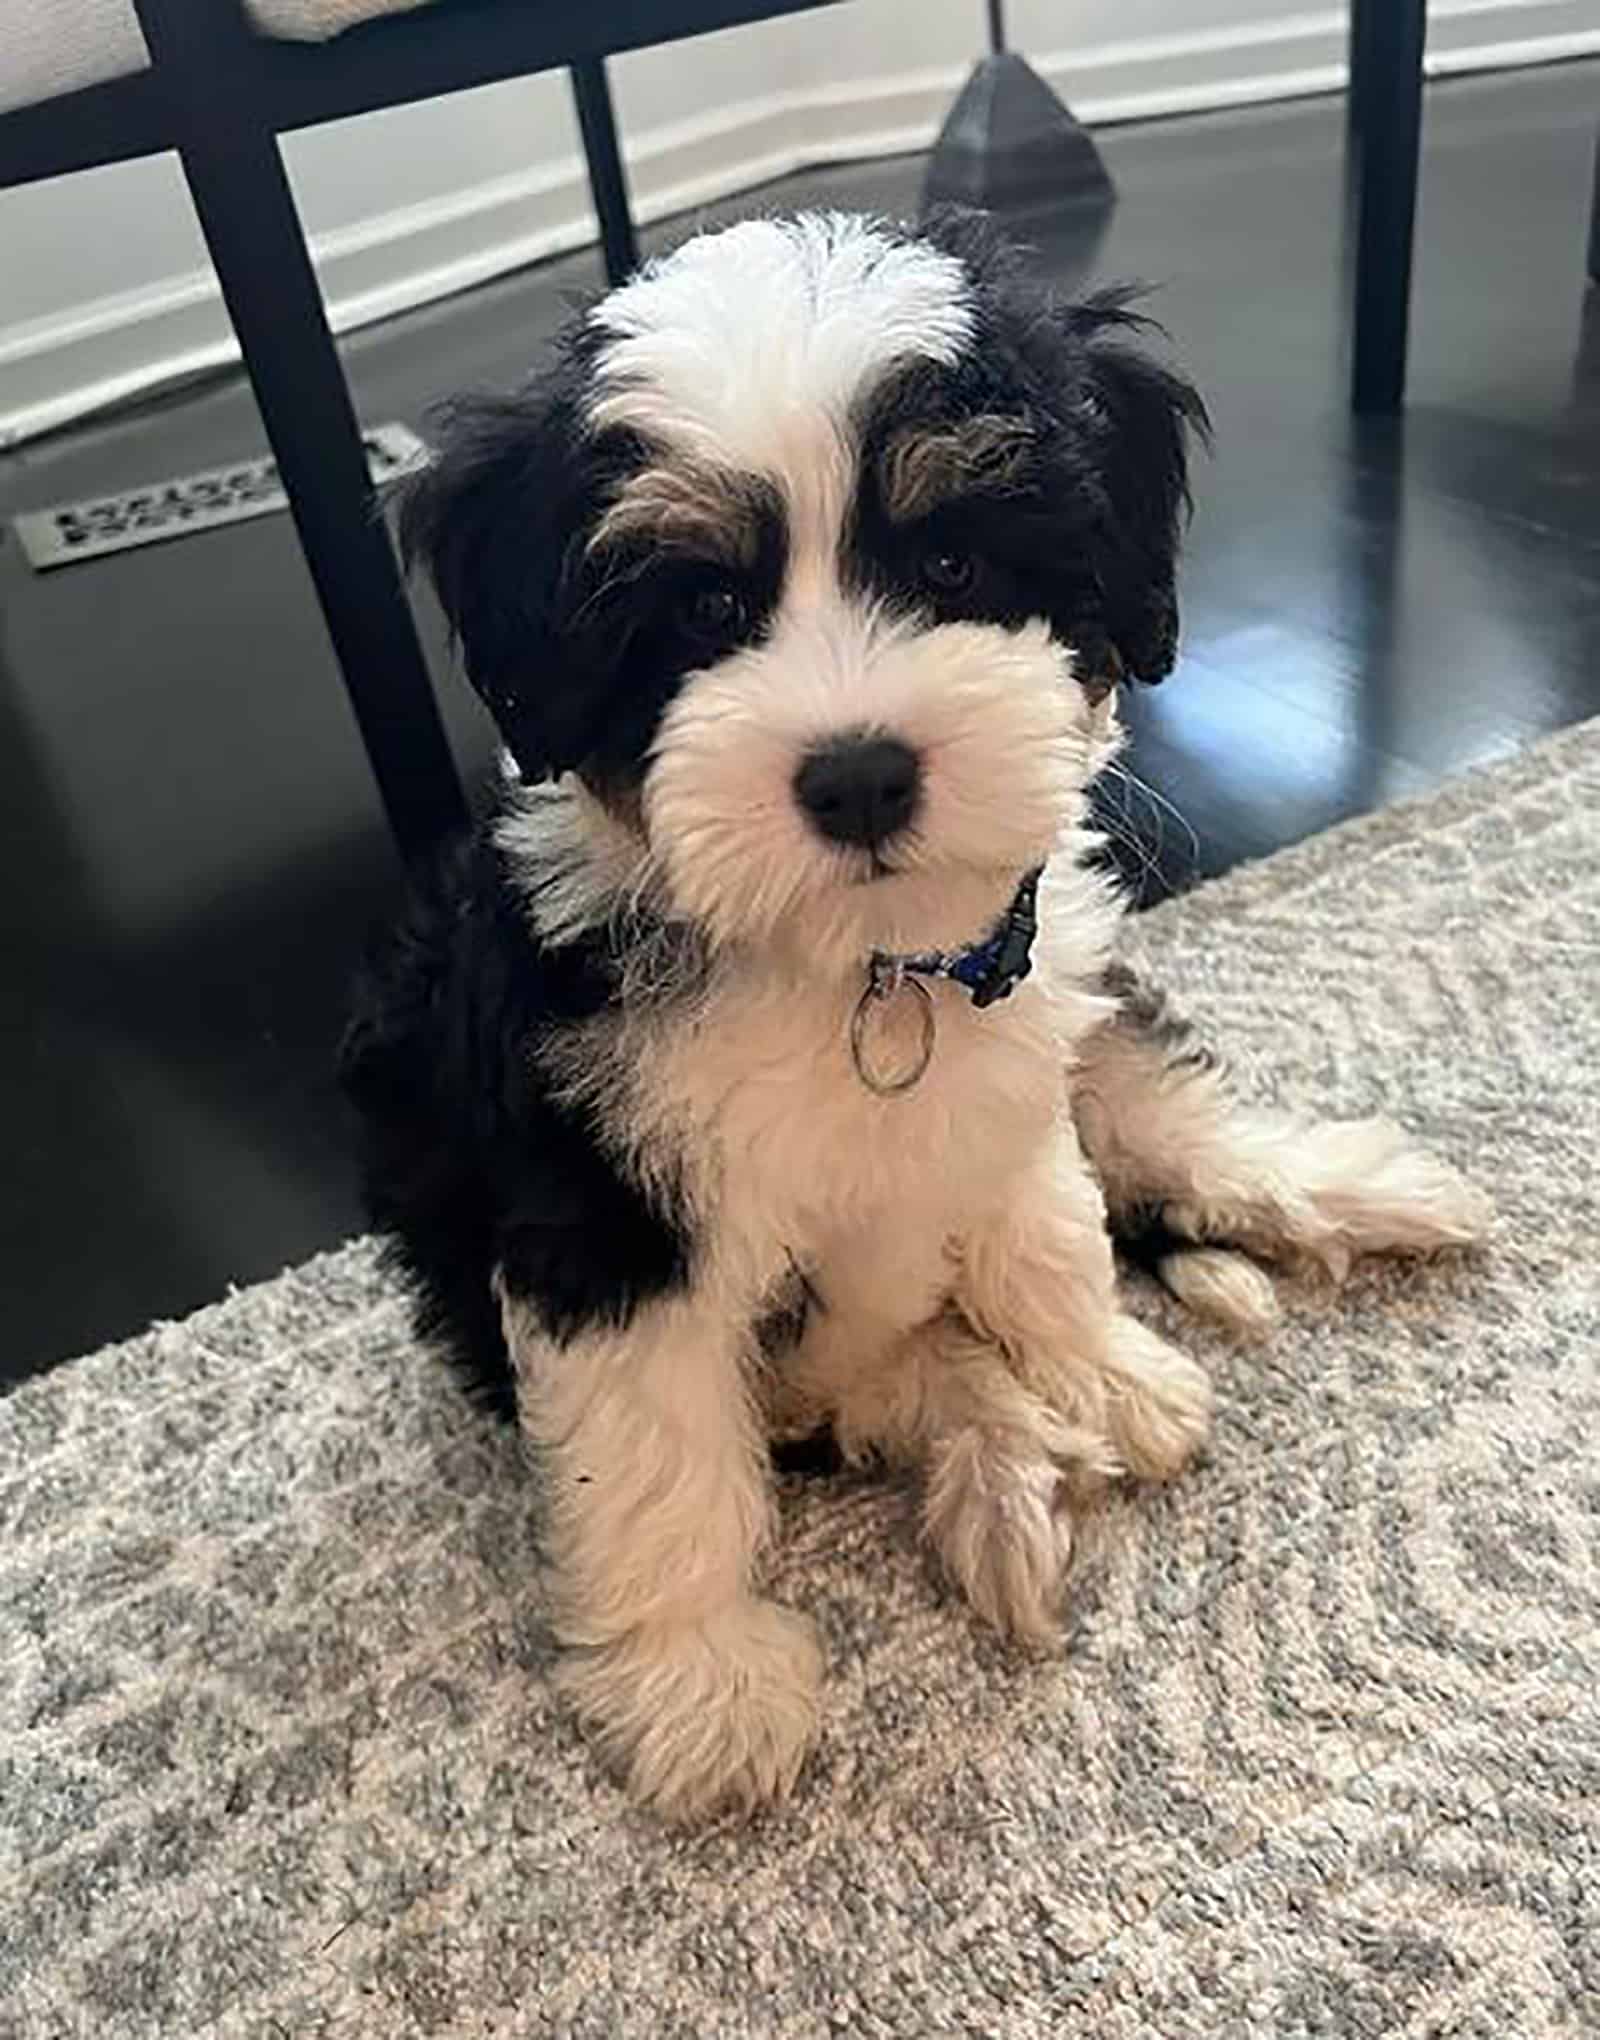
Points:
[[1148, 416]]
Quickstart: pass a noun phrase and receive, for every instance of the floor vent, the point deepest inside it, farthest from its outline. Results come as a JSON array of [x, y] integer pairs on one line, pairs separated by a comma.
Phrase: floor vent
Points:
[[226, 495]]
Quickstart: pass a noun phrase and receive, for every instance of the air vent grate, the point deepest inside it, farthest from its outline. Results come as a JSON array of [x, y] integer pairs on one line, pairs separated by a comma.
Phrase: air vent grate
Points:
[[226, 495]]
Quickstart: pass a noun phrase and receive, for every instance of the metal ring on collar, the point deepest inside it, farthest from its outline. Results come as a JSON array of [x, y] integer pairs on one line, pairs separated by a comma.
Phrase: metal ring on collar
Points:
[[876, 994]]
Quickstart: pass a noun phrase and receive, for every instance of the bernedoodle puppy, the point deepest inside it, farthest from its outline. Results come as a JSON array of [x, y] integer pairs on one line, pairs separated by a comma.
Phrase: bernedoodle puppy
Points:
[[762, 1063]]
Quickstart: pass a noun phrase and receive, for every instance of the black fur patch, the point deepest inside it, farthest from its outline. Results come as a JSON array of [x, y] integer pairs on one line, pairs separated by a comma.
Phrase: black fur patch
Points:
[[816, 1455], [1084, 530], [576, 650], [469, 1163], [1144, 1240]]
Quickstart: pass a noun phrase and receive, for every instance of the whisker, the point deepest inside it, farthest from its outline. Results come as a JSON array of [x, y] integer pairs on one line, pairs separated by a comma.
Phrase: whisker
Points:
[[1160, 802], [1119, 830], [1157, 806]]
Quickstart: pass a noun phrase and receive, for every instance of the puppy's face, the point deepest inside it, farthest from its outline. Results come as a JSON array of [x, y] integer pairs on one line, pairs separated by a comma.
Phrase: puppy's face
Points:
[[816, 556]]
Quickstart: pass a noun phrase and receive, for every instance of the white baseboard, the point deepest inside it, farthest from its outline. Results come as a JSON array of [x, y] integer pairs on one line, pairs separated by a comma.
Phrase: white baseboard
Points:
[[57, 369]]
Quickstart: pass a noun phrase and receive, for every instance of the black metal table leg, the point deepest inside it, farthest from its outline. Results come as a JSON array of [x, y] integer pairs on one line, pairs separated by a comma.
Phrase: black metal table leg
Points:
[[1594, 219], [247, 214], [1362, 13], [1386, 43], [607, 179]]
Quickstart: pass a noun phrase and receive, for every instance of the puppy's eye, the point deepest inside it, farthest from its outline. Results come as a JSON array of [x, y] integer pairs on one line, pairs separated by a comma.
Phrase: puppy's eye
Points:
[[949, 573], [714, 612]]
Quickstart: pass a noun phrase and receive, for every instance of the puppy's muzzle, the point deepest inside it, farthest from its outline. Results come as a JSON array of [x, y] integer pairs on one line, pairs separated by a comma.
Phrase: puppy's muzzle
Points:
[[860, 789]]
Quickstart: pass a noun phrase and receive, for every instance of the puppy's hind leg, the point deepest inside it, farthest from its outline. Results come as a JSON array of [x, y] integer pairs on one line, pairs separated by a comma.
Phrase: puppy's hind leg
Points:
[[1170, 1144]]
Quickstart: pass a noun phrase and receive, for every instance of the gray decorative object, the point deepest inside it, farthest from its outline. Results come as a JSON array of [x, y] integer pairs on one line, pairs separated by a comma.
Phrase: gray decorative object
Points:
[[1008, 145], [1320, 1754]]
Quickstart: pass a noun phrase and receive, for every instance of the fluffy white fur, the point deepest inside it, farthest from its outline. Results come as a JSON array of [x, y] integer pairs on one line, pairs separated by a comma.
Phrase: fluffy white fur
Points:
[[838, 304]]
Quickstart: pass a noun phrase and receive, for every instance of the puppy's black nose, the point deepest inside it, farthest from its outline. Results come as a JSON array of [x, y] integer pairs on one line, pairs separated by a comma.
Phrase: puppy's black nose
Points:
[[859, 789]]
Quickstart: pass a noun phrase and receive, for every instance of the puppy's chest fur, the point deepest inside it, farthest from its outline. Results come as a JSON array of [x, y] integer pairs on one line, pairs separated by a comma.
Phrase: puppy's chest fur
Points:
[[745, 1104]]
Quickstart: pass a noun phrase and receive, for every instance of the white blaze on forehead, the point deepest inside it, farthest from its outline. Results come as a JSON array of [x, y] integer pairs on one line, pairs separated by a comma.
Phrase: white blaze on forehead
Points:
[[747, 348]]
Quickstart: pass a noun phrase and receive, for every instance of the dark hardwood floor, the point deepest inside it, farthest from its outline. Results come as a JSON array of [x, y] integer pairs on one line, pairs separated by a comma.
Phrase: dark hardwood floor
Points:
[[192, 846]]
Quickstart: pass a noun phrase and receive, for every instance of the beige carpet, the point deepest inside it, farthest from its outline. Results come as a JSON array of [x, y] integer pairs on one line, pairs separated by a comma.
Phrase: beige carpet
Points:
[[1322, 1756]]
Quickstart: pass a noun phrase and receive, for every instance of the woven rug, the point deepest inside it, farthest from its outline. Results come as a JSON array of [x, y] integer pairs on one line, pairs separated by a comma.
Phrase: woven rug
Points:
[[1321, 1755]]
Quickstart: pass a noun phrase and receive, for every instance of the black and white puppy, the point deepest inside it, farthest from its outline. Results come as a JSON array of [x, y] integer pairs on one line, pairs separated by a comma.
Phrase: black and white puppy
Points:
[[798, 587]]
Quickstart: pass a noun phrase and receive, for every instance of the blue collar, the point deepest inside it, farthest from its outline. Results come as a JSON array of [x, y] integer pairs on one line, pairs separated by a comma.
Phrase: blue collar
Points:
[[987, 970]]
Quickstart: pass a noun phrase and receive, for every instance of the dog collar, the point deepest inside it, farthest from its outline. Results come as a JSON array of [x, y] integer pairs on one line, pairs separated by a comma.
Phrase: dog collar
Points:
[[987, 971]]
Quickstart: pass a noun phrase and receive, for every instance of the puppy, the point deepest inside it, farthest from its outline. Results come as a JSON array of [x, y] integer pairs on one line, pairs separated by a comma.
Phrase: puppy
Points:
[[762, 1064]]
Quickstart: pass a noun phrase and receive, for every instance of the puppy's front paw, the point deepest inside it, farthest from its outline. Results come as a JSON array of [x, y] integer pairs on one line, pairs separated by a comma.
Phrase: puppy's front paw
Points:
[[1158, 1400], [707, 1715], [998, 1510]]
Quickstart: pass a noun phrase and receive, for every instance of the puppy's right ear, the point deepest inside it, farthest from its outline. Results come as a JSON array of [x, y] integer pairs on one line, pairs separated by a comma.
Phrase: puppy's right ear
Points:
[[491, 518]]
